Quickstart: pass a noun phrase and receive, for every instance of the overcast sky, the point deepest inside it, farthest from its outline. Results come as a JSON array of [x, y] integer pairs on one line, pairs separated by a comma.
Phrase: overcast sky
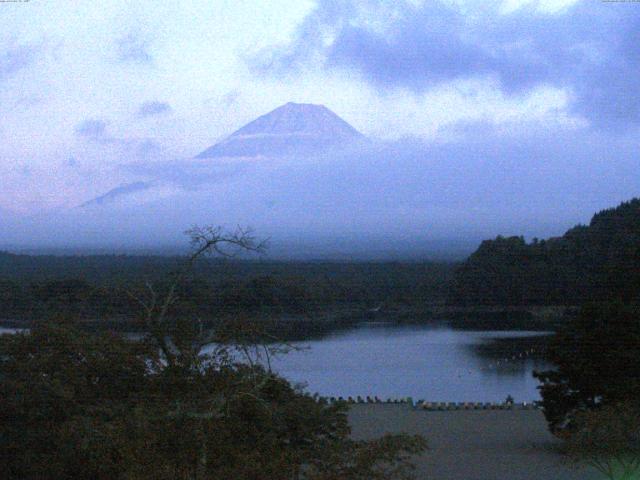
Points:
[[89, 88]]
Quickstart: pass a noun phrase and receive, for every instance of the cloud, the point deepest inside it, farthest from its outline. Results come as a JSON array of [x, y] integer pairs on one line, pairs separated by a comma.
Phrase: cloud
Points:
[[16, 58], [588, 48], [118, 149], [113, 194], [230, 98], [401, 195], [144, 148], [134, 48], [187, 173], [491, 182], [153, 108], [92, 129], [425, 46], [542, 6]]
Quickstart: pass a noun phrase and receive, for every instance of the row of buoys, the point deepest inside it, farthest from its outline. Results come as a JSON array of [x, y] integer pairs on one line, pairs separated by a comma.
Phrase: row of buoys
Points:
[[506, 360], [442, 406], [424, 405], [502, 361], [367, 399]]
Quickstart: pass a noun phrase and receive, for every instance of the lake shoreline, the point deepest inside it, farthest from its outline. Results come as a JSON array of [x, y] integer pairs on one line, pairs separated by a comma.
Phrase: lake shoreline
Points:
[[322, 319], [433, 362]]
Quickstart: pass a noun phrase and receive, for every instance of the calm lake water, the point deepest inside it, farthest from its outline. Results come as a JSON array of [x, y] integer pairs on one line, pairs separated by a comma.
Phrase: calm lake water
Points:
[[423, 362], [10, 330], [420, 361]]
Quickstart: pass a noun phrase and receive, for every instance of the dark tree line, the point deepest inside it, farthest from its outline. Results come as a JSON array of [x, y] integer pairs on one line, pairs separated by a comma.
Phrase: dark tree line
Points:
[[30, 287], [598, 262]]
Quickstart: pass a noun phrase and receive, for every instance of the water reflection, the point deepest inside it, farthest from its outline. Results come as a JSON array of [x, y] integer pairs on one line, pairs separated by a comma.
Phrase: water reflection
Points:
[[424, 362], [431, 362], [4, 330]]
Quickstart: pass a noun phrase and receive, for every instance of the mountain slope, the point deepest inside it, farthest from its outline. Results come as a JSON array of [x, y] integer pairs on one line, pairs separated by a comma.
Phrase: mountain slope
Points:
[[291, 129]]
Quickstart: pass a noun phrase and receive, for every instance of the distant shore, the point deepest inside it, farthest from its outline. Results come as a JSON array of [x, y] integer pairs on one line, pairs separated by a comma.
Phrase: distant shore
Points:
[[484, 317], [320, 321]]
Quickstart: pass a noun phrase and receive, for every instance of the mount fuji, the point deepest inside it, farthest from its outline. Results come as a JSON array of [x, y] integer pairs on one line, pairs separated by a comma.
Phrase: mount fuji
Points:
[[289, 130], [293, 130]]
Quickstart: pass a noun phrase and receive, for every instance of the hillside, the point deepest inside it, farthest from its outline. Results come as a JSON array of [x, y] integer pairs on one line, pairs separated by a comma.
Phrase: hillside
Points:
[[600, 261]]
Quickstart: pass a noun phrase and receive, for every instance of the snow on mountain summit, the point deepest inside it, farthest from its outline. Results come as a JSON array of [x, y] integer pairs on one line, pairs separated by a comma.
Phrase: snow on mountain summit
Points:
[[293, 128], [299, 118]]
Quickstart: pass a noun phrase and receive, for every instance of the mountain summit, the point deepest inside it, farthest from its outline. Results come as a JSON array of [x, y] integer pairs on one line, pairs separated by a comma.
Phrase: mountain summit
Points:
[[294, 128]]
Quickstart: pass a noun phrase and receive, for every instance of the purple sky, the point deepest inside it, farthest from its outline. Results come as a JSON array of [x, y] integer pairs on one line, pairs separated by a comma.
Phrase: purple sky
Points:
[[514, 116]]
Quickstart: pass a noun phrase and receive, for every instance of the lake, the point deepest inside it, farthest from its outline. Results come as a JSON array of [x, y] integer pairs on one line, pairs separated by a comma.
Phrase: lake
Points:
[[423, 362], [434, 363]]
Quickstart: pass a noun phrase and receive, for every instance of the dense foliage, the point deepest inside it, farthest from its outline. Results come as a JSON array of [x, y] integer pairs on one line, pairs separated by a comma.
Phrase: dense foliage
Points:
[[34, 287], [94, 406], [597, 360], [596, 262], [609, 440], [80, 405]]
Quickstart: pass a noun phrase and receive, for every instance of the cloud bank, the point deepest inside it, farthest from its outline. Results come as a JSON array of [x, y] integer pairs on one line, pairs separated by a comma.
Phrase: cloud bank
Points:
[[405, 197], [589, 48], [515, 116]]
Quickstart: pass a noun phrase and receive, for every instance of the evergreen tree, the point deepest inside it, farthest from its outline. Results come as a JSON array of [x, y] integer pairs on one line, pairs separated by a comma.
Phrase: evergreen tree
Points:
[[597, 360]]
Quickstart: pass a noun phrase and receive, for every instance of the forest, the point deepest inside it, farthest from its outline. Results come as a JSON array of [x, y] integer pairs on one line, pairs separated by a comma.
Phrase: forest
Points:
[[108, 411], [595, 262], [102, 289]]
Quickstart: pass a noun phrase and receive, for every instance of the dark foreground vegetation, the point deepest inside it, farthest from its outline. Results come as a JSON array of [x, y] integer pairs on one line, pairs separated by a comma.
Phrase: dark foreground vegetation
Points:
[[592, 396], [597, 359], [82, 405]]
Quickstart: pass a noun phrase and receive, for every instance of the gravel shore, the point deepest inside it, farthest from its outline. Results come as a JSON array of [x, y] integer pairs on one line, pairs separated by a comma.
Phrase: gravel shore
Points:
[[474, 444]]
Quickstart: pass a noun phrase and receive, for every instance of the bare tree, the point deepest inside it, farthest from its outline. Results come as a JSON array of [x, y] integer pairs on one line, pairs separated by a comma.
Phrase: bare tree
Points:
[[182, 347], [205, 241], [608, 439]]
